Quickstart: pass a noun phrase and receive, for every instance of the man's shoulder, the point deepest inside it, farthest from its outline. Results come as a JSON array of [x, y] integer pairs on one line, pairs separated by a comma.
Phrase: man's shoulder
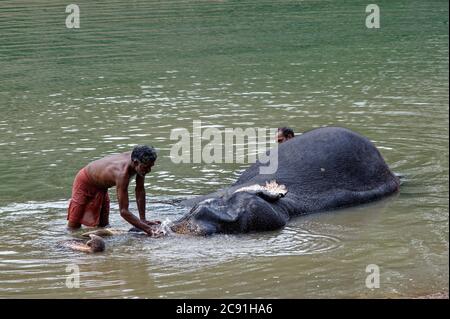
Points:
[[115, 164]]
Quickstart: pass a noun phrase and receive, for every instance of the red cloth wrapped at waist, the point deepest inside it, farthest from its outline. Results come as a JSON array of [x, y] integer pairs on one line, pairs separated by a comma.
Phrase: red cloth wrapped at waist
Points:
[[88, 200]]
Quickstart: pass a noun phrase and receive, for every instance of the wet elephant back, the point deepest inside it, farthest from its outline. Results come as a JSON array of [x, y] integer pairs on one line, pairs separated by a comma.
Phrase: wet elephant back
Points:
[[325, 159]]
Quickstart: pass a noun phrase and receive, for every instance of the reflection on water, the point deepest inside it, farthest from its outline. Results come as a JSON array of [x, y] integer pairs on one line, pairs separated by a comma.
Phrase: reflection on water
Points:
[[135, 71]]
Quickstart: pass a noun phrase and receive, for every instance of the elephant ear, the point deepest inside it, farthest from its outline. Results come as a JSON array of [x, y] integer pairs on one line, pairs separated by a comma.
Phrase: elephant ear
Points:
[[271, 192]]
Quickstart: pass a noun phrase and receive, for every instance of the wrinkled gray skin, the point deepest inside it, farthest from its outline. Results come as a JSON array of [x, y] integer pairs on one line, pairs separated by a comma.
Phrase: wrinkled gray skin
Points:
[[323, 169]]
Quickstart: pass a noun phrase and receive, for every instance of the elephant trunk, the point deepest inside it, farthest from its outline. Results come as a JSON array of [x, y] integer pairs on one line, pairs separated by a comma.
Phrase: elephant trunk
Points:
[[187, 226]]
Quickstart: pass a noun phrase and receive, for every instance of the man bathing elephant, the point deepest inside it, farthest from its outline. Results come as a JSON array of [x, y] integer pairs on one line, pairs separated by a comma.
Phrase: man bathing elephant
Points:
[[89, 204], [322, 169]]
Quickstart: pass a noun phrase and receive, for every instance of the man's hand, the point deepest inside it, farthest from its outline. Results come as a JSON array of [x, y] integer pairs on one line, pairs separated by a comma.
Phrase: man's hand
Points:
[[151, 222], [148, 230], [156, 233]]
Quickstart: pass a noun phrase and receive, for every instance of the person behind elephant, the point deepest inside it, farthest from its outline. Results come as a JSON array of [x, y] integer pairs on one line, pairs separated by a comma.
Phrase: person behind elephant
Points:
[[284, 134], [89, 204]]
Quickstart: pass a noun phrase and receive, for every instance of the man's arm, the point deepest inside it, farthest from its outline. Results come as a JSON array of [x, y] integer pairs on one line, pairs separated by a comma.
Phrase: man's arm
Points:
[[140, 196], [140, 200], [122, 197]]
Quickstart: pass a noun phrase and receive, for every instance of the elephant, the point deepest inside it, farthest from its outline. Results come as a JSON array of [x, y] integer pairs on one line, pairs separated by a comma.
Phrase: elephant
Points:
[[322, 169]]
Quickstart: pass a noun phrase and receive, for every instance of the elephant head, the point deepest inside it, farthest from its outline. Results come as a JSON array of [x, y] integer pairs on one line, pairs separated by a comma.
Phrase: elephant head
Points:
[[245, 209]]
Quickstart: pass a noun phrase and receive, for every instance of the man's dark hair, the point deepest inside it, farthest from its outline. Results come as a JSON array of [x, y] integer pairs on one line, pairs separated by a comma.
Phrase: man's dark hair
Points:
[[144, 154], [286, 131]]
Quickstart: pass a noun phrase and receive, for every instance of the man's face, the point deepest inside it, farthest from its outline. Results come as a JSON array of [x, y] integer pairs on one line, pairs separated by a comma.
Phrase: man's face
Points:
[[142, 169], [280, 137]]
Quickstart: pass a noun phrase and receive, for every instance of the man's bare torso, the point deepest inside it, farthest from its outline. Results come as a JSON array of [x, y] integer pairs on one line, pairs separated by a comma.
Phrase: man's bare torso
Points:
[[107, 171]]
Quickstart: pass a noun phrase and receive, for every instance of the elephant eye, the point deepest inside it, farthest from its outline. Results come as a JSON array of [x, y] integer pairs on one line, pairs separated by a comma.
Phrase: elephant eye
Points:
[[270, 197]]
